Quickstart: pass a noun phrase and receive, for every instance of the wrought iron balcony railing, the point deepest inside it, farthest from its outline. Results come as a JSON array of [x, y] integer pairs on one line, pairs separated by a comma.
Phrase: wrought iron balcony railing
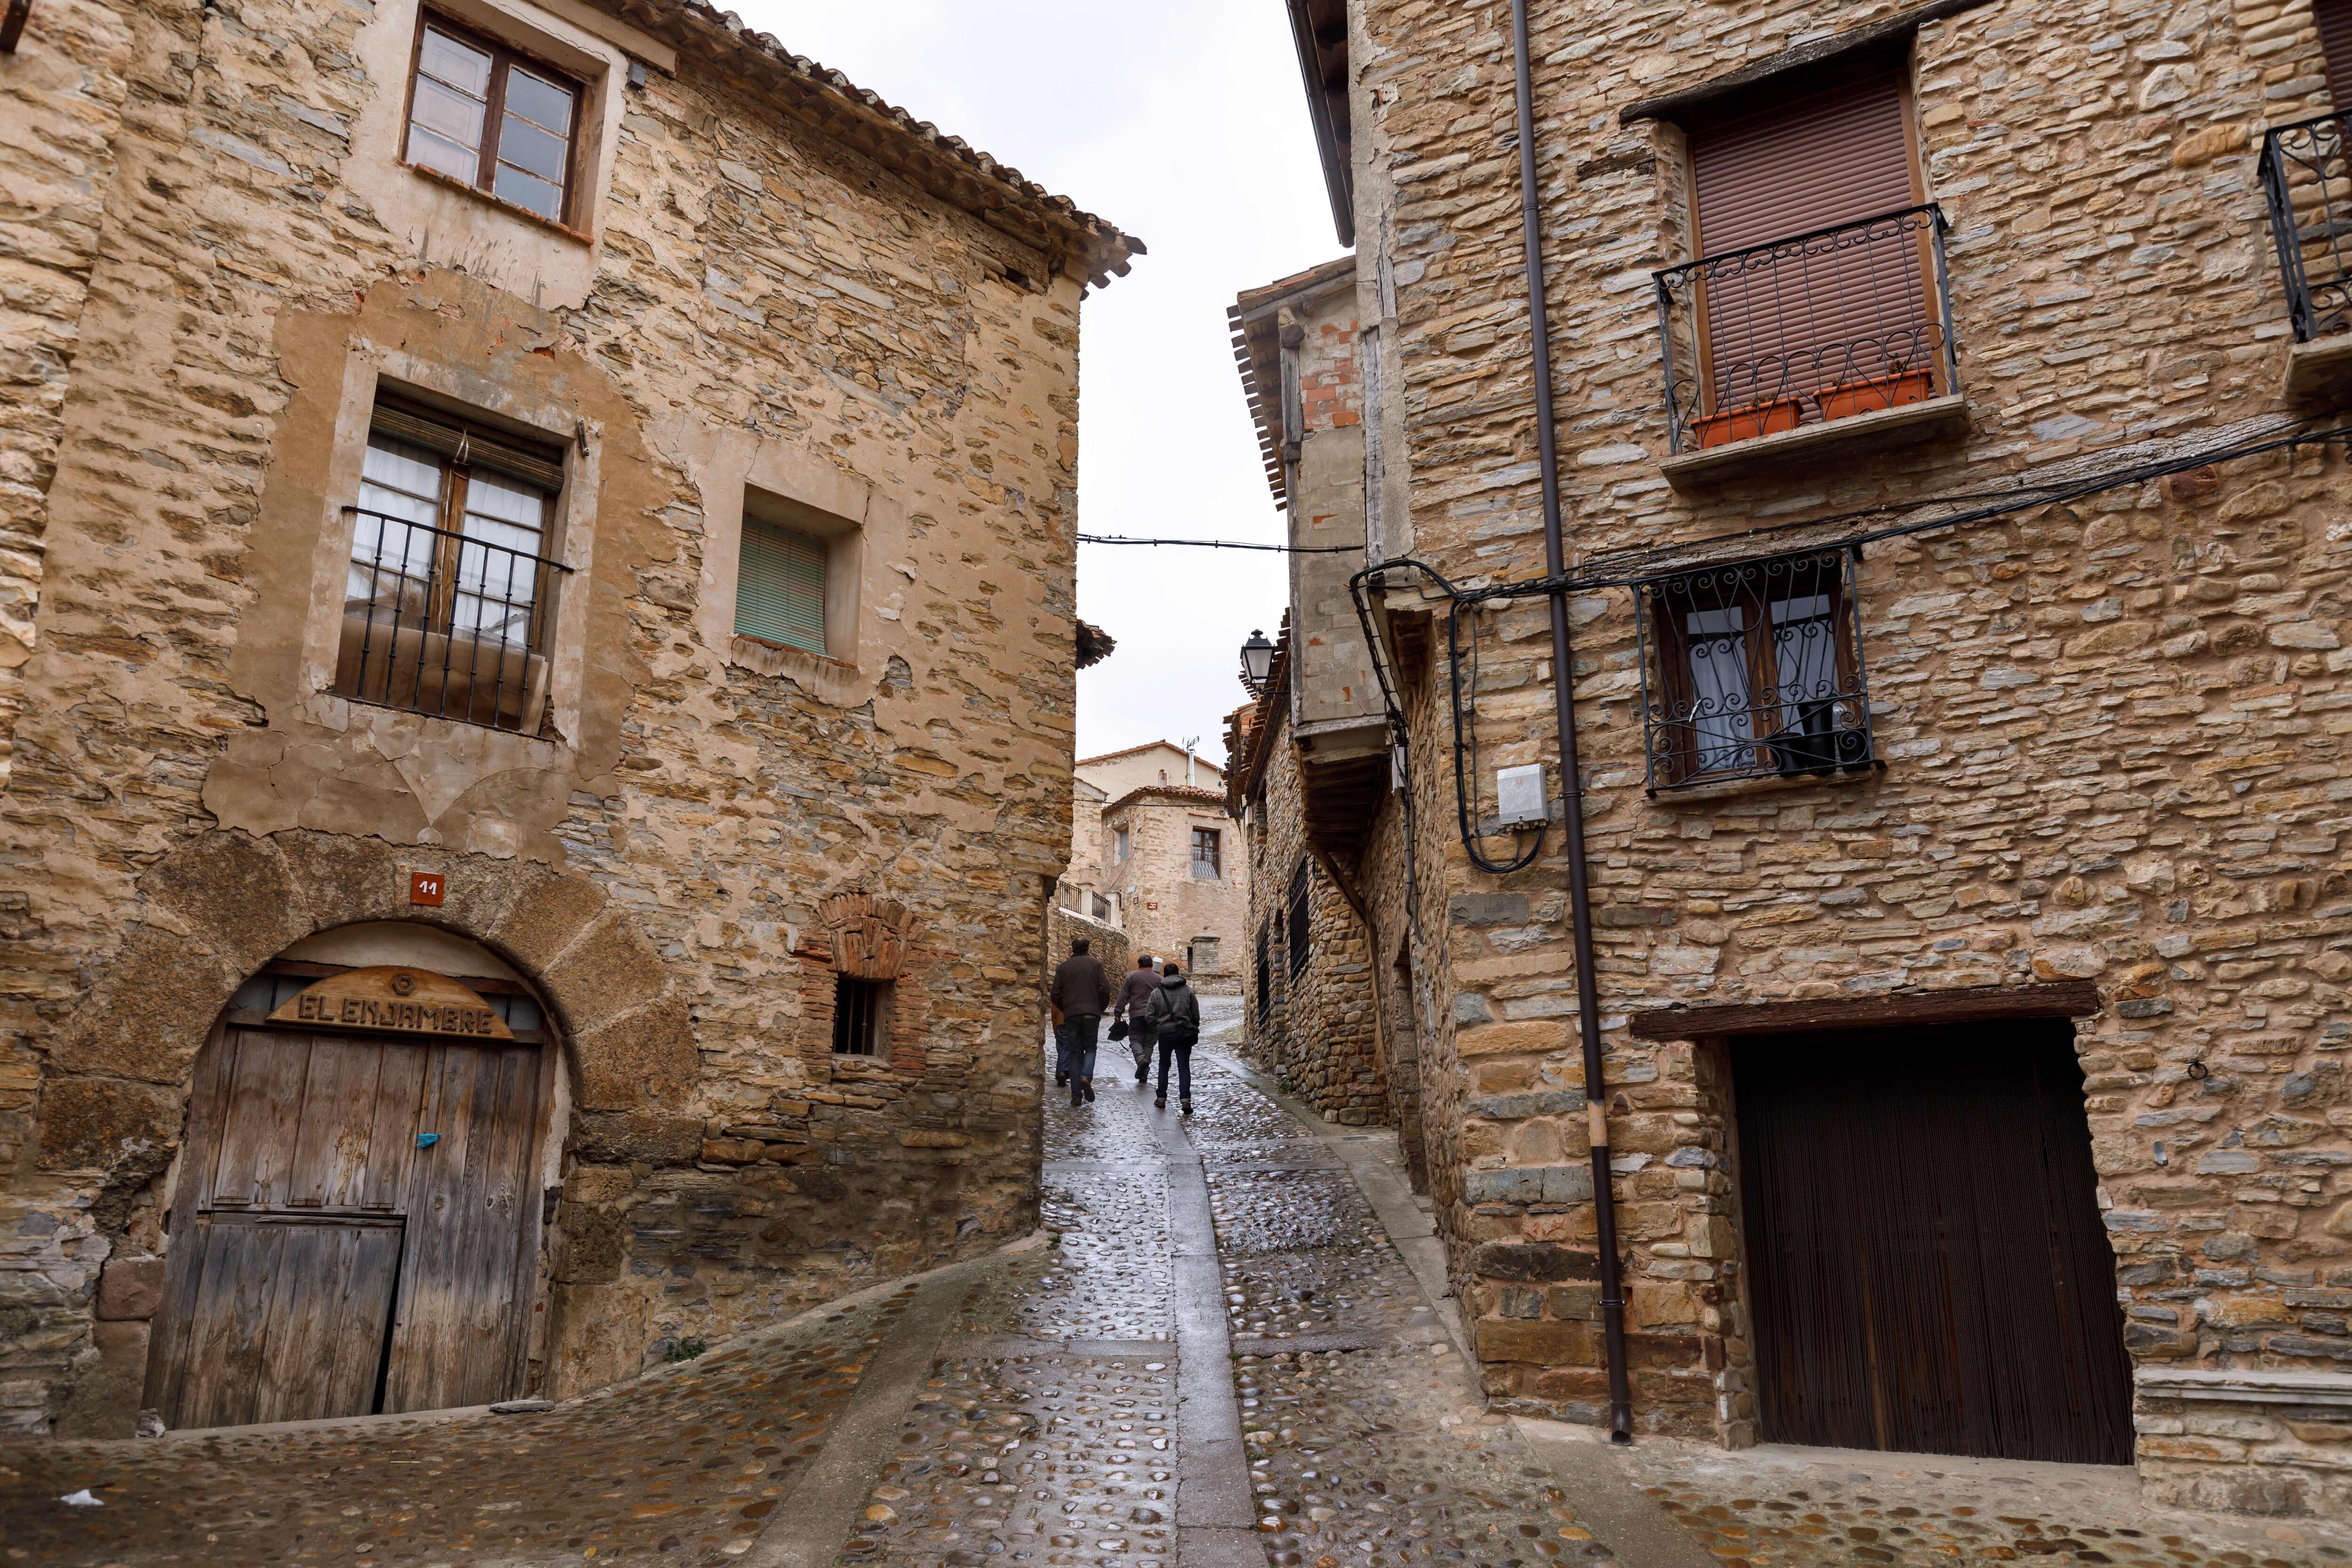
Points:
[[1816, 326], [446, 624], [1753, 669], [2307, 185]]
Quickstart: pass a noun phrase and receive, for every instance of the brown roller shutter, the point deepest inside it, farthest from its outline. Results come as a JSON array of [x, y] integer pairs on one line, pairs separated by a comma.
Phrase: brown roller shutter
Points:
[[1838, 312], [2336, 43]]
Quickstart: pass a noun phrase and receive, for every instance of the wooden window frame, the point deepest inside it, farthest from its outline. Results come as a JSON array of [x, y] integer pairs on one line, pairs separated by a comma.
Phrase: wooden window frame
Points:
[[1215, 860], [1667, 617], [504, 57]]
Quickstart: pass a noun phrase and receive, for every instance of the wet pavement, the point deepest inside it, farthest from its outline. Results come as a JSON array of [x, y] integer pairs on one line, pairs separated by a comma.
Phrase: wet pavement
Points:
[[1231, 1349]]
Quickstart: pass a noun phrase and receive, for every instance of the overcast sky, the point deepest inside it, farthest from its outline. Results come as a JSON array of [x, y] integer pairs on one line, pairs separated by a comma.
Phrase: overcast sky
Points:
[[1185, 125]]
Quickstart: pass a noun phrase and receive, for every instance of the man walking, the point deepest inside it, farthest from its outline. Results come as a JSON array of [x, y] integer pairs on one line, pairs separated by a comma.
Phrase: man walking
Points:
[[1142, 1032], [1175, 1013], [1081, 992]]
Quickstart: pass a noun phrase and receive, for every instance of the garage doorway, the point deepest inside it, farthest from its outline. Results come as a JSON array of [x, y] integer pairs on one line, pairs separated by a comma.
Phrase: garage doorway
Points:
[[1926, 1269], [355, 1217]]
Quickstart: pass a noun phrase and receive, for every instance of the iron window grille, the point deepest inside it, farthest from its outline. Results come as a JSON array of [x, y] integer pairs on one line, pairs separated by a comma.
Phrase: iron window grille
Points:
[[447, 600], [2307, 186], [1816, 326], [491, 116], [1208, 855], [858, 1011], [1753, 669], [1301, 921]]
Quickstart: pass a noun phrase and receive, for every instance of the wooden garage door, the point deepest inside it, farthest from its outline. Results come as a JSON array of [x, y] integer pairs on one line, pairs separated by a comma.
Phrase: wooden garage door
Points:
[[1927, 1268], [353, 1231]]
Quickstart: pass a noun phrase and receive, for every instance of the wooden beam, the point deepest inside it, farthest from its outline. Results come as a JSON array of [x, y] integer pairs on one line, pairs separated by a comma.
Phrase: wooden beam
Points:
[[2055, 999]]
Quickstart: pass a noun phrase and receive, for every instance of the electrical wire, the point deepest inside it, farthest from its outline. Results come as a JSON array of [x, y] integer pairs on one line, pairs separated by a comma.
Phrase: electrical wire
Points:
[[1226, 544], [1631, 569]]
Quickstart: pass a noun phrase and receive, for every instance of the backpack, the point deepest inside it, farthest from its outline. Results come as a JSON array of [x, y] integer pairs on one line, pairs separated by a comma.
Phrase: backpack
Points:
[[1175, 1030]]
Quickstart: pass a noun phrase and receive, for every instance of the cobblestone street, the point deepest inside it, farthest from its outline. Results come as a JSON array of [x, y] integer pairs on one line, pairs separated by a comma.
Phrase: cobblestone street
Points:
[[1230, 1349]]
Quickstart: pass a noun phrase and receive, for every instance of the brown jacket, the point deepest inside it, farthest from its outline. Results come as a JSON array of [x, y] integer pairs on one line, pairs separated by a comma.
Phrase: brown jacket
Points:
[[1081, 989]]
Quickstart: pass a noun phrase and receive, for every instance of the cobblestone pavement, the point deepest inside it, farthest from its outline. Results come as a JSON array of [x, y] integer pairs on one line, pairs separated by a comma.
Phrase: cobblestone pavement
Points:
[[1220, 1359]]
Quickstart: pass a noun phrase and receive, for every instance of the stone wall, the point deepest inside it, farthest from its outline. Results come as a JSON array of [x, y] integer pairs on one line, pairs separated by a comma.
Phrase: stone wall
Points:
[[1319, 1035], [1106, 941], [679, 862], [2107, 730]]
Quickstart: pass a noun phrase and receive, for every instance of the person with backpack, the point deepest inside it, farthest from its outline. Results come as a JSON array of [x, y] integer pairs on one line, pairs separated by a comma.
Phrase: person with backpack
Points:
[[1175, 1015], [1134, 993]]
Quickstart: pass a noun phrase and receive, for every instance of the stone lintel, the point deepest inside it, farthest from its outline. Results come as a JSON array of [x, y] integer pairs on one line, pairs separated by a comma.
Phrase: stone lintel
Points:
[[2258, 1386], [1710, 99], [2320, 370], [1759, 455], [2055, 999]]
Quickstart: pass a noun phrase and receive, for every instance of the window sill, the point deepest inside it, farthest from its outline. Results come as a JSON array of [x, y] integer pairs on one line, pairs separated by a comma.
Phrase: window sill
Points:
[[1770, 783], [436, 176], [2321, 370], [767, 658], [1761, 455]]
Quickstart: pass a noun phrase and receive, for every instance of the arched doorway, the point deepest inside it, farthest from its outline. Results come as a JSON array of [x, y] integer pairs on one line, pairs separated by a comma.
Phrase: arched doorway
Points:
[[355, 1213]]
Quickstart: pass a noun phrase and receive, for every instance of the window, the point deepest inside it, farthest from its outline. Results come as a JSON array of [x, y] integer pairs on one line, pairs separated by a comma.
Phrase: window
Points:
[[1301, 925], [860, 1016], [1264, 978], [1102, 908], [1208, 863], [1118, 845], [492, 118], [447, 598], [780, 587], [1759, 671], [1818, 290]]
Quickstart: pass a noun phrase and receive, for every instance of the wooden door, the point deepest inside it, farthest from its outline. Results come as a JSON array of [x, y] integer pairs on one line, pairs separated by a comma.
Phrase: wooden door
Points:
[[1925, 1266], [350, 1233]]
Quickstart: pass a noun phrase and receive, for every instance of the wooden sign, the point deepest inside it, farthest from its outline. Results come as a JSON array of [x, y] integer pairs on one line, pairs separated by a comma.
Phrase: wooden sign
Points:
[[426, 887], [397, 1001]]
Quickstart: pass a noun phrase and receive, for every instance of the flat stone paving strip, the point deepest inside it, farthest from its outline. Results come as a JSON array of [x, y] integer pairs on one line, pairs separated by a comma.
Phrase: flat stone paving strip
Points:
[[679, 1466]]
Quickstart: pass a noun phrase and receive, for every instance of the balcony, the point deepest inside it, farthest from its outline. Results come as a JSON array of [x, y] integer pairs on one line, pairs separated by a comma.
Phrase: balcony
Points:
[[1835, 339], [446, 624], [1752, 671], [2307, 186]]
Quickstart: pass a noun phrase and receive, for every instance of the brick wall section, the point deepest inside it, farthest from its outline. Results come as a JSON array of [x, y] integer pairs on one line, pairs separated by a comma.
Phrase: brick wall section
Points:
[[179, 811], [2111, 731]]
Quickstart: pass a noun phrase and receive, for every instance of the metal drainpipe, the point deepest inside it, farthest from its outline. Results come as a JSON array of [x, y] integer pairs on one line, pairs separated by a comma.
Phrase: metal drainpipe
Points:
[[1579, 892]]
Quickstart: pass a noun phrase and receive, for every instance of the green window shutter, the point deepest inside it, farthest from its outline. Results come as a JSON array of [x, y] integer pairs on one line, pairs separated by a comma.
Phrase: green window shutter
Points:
[[780, 587]]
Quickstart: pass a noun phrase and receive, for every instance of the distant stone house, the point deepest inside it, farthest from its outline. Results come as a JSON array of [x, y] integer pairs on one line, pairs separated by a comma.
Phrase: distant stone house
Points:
[[539, 698], [1168, 863], [1936, 1040]]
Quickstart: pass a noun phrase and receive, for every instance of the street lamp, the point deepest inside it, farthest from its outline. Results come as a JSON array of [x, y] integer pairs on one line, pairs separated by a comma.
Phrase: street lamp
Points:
[[1257, 661]]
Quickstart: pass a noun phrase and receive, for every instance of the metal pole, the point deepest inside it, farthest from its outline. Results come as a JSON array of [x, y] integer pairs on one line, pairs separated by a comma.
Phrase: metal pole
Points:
[[1580, 893]]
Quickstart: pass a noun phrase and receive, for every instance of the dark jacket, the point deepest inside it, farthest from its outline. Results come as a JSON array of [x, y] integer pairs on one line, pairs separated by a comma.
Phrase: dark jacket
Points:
[[1134, 991], [1081, 989], [1174, 999]]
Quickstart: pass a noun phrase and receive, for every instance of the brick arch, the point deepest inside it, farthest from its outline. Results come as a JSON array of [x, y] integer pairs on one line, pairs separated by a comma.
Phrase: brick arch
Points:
[[865, 938], [217, 907]]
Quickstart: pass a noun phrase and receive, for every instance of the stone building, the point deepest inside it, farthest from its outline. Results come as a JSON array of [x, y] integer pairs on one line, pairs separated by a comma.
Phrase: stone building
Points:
[[1175, 885], [1951, 568], [539, 695]]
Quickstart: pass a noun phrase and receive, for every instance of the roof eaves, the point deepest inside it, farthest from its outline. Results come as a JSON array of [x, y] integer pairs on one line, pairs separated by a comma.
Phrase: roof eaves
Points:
[[947, 166]]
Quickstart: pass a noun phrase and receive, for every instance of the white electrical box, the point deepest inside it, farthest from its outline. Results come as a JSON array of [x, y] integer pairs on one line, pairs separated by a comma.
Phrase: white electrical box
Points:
[[1520, 795]]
